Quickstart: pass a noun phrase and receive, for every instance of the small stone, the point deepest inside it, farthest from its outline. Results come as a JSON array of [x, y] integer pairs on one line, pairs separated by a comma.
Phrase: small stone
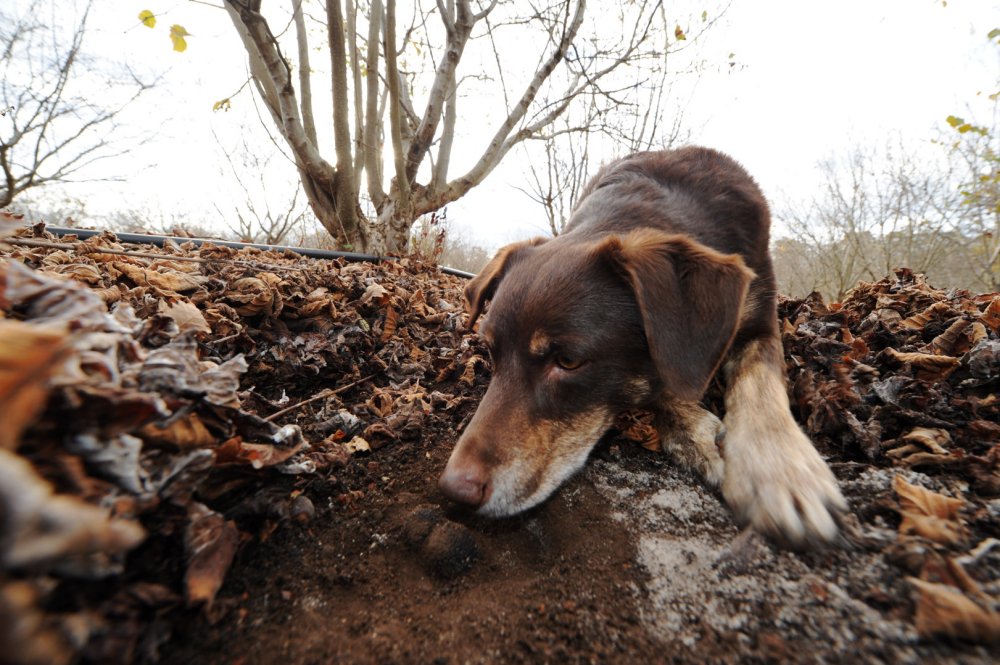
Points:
[[450, 550], [302, 509]]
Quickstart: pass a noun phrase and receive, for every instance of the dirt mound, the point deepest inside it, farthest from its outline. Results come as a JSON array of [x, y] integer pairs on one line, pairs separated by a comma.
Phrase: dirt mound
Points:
[[212, 455]]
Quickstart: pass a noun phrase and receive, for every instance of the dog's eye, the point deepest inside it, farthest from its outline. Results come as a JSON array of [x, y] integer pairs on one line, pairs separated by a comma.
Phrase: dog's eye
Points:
[[567, 362]]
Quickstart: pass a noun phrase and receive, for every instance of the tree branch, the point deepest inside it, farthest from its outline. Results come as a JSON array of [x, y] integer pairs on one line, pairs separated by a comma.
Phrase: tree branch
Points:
[[503, 140]]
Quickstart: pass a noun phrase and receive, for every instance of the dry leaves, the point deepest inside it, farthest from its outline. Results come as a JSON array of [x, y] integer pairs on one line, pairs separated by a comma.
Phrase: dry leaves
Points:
[[28, 355], [945, 611], [140, 389], [949, 602], [929, 514], [908, 375]]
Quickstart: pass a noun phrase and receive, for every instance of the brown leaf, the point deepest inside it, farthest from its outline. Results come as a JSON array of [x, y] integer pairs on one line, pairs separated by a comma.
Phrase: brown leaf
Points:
[[29, 354], [389, 326], [926, 366], [928, 514], [257, 455], [185, 315], [976, 333], [951, 341], [922, 446], [48, 531], [991, 315], [921, 319], [943, 610], [924, 501], [210, 543], [638, 426], [185, 433], [171, 280], [251, 296], [377, 293]]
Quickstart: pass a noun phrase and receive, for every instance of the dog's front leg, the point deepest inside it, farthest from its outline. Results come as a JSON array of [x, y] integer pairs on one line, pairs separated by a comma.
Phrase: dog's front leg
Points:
[[774, 478], [692, 436]]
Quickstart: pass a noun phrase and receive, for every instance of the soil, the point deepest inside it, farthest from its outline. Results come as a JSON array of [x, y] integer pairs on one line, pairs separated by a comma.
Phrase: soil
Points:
[[631, 561]]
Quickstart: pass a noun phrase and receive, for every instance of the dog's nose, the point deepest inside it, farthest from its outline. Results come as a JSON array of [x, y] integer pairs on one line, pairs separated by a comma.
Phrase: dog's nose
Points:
[[465, 485]]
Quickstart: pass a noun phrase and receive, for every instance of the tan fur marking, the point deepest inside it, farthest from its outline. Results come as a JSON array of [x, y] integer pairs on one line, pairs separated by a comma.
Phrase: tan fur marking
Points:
[[539, 345]]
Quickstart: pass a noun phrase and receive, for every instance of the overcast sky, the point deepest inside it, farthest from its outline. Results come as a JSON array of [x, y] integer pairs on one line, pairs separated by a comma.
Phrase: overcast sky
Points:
[[811, 79]]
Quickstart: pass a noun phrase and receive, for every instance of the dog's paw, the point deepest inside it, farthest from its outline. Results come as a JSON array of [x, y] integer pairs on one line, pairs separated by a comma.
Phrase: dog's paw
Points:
[[778, 483], [694, 439]]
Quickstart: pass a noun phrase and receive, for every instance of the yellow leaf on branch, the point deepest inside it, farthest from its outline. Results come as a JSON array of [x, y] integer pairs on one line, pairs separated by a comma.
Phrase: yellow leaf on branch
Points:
[[177, 35], [147, 18]]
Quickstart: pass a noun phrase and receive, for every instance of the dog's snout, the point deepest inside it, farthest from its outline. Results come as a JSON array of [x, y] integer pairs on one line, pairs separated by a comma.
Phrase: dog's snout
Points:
[[465, 483]]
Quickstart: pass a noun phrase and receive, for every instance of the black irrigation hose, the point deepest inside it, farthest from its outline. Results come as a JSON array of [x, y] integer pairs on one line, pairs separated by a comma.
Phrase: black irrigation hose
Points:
[[142, 239]]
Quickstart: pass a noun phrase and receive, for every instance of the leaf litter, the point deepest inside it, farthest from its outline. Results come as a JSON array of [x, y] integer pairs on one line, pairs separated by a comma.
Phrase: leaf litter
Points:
[[165, 413]]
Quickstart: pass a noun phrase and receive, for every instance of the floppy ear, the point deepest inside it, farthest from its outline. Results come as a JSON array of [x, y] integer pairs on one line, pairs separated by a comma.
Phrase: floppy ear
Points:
[[482, 287], [689, 297]]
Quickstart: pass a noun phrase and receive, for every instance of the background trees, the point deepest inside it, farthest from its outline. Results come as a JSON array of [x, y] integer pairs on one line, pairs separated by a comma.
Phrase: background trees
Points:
[[934, 208], [59, 107]]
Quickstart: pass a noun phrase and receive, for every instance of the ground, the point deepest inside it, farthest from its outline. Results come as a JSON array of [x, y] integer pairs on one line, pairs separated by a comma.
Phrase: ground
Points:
[[262, 436]]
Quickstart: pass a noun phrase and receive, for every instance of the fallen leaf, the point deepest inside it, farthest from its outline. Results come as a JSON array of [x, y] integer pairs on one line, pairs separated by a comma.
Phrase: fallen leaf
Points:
[[42, 530], [357, 445], [952, 341], [919, 320], [186, 315], [926, 366], [943, 610], [928, 514], [210, 543], [29, 354], [185, 433], [175, 281], [922, 445], [991, 315]]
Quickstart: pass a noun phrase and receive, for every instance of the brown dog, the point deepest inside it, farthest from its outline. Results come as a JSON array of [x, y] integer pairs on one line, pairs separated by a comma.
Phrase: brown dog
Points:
[[661, 277]]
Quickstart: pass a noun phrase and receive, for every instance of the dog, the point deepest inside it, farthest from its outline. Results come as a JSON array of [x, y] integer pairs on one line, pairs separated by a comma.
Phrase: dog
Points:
[[661, 279]]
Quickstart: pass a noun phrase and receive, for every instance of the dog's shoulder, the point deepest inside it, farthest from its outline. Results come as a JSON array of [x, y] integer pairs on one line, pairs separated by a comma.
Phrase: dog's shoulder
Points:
[[695, 191]]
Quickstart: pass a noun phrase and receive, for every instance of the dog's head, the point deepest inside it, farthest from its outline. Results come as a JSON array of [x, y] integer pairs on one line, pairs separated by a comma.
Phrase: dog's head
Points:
[[579, 330]]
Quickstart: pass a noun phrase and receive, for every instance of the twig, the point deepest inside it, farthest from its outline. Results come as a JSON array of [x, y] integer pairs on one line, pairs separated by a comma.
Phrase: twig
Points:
[[32, 242], [323, 394]]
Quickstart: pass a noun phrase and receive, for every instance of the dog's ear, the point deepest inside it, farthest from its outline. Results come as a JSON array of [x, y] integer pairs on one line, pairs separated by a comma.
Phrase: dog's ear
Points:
[[482, 287], [689, 297]]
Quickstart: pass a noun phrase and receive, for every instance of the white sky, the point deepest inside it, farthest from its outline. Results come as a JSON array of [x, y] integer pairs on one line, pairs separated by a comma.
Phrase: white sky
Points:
[[812, 78]]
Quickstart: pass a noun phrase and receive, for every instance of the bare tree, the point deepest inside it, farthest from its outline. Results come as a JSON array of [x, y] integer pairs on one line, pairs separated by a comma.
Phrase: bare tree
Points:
[[640, 111], [434, 238], [976, 152], [371, 77], [558, 177], [266, 212], [878, 210], [59, 114]]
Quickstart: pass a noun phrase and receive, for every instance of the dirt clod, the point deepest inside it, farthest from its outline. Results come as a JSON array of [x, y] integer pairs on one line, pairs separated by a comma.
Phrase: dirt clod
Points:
[[450, 550], [418, 523]]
